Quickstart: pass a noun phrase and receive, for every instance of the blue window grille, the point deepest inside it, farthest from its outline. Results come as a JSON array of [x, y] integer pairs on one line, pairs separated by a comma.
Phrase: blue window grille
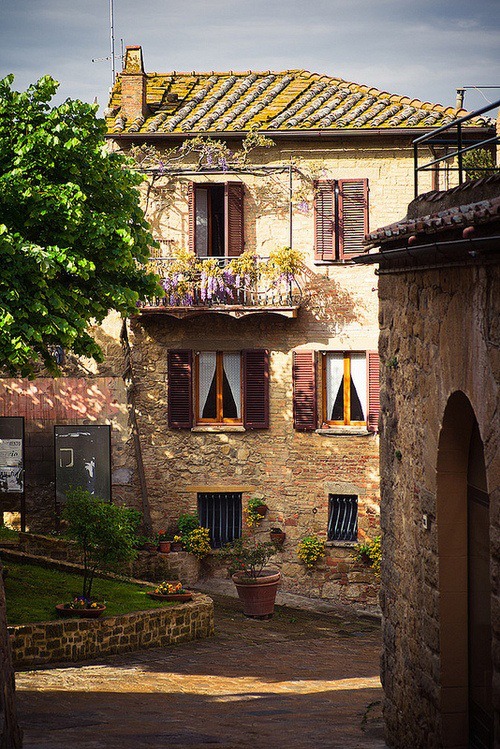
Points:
[[221, 513], [343, 517]]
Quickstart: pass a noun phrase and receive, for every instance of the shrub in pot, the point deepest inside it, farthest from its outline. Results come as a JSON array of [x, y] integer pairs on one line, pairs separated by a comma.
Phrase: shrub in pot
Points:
[[256, 584]]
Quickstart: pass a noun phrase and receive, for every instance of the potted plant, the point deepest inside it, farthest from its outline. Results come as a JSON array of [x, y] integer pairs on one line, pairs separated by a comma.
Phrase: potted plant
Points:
[[246, 559], [170, 590], [277, 536], [80, 606], [176, 544], [370, 553], [256, 584], [256, 511], [163, 542], [310, 550], [105, 534], [194, 538]]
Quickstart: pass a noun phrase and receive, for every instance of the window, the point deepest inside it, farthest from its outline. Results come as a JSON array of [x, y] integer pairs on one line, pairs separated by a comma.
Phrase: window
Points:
[[218, 387], [221, 513], [216, 219], [350, 389], [340, 218], [345, 392], [218, 395], [343, 517]]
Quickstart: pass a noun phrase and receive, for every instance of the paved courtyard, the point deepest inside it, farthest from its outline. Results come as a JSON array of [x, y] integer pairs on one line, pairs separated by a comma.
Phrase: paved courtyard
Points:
[[303, 680]]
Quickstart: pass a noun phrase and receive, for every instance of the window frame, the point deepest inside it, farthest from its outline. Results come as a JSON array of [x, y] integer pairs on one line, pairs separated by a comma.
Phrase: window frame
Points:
[[219, 375], [331, 503], [347, 421], [234, 217]]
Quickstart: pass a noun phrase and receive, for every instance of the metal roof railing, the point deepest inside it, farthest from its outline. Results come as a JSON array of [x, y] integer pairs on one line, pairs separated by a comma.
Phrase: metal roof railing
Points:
[[458, 140]]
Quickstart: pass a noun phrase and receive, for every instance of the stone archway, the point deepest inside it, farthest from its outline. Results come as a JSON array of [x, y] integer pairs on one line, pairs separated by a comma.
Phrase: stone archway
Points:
[[464, 580]]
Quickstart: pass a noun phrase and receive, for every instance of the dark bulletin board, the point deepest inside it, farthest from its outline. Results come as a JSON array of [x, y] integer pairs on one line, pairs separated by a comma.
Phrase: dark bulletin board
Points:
[[11, 455], [83, 459]]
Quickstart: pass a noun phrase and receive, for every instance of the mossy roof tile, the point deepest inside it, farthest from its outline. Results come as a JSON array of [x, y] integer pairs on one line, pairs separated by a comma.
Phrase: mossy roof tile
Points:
[[276, 101]]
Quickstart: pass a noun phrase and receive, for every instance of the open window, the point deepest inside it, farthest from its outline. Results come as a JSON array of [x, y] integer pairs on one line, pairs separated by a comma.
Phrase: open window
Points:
[[216, 219], [218, 387], [350, 390]]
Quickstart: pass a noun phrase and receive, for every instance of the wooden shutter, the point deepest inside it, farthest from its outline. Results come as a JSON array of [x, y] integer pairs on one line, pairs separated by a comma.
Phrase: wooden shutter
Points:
[[353, 216], [324, 220], [192, 216], [180, 389], [233, 208], [304, 391], [256, 388], [373, 364]]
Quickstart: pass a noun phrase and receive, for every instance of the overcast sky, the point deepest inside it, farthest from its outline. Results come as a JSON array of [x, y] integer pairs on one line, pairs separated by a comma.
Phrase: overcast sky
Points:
[[421, 48]]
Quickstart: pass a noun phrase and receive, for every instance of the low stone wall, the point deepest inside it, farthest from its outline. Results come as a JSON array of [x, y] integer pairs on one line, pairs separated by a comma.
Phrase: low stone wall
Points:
[[82, 639], [147, 565]]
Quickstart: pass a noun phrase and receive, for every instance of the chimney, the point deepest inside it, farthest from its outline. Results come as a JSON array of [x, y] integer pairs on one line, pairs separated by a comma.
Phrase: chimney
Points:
[[460, 98], [133, 79]]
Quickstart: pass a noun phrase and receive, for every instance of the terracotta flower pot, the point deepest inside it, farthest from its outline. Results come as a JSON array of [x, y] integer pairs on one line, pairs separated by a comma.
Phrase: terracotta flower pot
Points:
[[171, 596], [258, 594], [278, 538], [87, 613], [164, 547]]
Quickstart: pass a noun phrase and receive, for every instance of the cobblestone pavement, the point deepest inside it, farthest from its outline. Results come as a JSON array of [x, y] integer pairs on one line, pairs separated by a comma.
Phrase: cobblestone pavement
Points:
[[304, 679]]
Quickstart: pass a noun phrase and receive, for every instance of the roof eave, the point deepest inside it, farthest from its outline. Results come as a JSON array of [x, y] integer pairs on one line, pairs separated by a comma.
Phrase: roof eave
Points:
[[310, 133]]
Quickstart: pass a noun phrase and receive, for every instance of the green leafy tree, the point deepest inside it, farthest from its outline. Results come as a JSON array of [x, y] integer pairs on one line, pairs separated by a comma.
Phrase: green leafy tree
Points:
[[105, 533], [73, 238]]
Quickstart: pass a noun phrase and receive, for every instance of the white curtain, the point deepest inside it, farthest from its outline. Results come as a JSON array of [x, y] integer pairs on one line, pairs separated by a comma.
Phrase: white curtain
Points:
[[207, 366], [358, 376], [201, 223], [334, 377], [232, 369]]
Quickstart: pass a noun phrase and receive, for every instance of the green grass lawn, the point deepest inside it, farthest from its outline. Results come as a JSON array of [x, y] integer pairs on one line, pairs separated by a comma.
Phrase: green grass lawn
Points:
[[33, 591]]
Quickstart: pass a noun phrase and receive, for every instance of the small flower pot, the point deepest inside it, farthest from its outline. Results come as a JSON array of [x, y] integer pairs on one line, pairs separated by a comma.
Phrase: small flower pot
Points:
[[176, 546], [87, 613], [164, 547], [278, 538]]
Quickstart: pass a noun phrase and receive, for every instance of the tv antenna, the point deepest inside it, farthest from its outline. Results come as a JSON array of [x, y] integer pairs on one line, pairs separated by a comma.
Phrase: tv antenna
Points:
[[112, 57]]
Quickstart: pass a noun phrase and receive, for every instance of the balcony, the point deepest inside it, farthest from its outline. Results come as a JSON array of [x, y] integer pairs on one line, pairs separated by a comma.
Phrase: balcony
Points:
[[236, 287]]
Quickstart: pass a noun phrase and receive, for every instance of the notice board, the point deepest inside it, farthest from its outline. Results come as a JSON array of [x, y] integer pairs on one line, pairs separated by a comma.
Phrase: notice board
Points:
[[83, 459], [11, 455]]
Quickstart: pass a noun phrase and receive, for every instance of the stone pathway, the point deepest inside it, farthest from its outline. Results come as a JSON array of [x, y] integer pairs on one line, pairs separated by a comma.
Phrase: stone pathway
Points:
[[304, 680]]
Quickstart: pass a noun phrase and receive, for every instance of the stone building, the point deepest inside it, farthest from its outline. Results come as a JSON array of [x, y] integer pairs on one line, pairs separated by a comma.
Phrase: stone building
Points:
[[440, 481], [254, 377]]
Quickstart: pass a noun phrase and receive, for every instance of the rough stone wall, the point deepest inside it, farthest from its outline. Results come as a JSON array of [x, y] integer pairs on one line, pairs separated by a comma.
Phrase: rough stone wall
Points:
[[10, 733], [148, 565], [442, 326], [81, 639]]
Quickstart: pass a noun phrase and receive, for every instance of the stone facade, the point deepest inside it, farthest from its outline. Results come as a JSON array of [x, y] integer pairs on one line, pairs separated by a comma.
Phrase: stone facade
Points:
[[82, 639], [439, 349]]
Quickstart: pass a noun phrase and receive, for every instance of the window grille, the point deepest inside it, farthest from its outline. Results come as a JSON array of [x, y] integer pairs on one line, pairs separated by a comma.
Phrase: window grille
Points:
[[343, 517], [221, 513]]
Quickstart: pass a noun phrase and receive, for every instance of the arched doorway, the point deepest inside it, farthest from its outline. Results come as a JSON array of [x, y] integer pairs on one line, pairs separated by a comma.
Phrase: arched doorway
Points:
[[464, 580]]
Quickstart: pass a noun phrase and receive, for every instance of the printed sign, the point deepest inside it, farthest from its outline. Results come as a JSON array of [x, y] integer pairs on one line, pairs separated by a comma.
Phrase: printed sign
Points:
[[11, 455]]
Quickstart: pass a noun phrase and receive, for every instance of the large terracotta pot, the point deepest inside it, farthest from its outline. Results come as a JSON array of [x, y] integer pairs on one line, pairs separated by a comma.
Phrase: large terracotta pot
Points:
[[258, 595]]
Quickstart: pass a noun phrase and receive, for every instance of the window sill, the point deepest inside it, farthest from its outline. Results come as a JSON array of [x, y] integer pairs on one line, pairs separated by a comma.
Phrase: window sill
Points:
[[341, 544], [341, 431], [347, 261], [219, 428]]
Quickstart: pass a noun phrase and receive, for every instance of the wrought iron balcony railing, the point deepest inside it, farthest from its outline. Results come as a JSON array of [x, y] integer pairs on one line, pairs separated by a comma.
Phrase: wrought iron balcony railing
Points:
[[212, 285]]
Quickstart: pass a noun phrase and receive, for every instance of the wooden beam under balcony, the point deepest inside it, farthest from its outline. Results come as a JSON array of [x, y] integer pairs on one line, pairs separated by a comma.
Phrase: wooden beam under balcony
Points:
[[230, 310]]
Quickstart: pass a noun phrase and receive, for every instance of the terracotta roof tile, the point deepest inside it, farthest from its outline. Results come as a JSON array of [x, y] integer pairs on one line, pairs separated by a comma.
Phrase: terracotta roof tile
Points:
[[281, 101]]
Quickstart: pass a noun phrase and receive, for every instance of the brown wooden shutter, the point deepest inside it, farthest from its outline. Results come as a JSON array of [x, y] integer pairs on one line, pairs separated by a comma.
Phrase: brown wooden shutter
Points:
[[256, 388], [353, 216], [192, 216], [373, 364], [324, 220], [305, 417], [233, 207], [180, 389]]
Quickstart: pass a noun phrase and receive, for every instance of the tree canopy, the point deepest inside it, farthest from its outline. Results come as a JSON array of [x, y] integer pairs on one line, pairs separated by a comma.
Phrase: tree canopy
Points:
[[73, 237]]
